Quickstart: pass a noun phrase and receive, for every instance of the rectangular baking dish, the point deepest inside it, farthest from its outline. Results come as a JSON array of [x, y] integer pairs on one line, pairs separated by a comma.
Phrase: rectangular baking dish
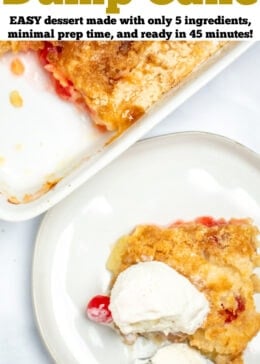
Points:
[[40, 141]]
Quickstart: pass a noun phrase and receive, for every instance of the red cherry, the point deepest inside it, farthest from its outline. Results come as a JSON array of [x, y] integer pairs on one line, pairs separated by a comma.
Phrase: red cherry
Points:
[[97, 309]]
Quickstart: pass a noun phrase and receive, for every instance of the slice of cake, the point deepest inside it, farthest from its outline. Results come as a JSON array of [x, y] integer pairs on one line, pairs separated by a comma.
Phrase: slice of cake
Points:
[[217, 257]]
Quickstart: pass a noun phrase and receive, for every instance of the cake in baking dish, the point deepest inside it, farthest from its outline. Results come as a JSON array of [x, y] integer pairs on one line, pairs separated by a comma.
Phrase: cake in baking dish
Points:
[[119, 81]]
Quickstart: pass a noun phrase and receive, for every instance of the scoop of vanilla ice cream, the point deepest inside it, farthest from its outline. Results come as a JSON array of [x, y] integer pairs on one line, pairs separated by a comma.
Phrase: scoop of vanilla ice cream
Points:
[[151, 296], [178, 353]]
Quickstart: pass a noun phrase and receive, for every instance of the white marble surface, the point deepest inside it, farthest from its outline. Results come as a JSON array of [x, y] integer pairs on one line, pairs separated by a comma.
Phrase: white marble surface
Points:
[[229, 105]]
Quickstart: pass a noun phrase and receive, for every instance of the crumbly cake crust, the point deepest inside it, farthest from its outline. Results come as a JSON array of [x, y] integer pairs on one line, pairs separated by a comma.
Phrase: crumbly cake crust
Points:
[[19, 46], [120, 81], [219, 260]]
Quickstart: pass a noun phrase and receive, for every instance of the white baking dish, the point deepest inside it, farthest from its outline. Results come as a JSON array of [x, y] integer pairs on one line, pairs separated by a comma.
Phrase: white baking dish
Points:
[[49, 139]]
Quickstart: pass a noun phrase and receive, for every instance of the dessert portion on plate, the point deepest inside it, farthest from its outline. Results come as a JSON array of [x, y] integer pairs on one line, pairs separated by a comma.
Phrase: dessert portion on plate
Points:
[[191, 282], [119, 81]]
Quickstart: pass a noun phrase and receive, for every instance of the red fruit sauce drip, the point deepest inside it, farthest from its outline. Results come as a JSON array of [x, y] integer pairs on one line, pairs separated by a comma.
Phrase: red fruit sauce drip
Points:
[[98, 311]]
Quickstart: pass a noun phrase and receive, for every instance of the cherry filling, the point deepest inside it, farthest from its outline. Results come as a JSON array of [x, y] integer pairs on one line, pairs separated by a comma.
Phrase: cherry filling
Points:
[[209, 221], [98, 311], [65, 91], [232, 314], [203, 220], [64, 87], [45, 52]]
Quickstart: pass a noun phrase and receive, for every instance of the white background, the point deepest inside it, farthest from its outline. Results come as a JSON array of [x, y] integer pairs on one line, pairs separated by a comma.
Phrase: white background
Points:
[[229, 105]]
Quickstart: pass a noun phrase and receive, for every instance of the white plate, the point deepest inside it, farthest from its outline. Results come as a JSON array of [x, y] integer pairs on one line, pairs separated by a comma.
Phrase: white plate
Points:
[[49, 138], [180, 176]]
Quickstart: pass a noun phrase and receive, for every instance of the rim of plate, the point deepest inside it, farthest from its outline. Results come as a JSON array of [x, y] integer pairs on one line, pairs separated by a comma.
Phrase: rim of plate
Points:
[[42, 334]]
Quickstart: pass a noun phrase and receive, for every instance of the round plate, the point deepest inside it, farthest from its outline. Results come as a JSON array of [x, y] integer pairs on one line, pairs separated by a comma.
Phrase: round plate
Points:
[[179, 176]]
